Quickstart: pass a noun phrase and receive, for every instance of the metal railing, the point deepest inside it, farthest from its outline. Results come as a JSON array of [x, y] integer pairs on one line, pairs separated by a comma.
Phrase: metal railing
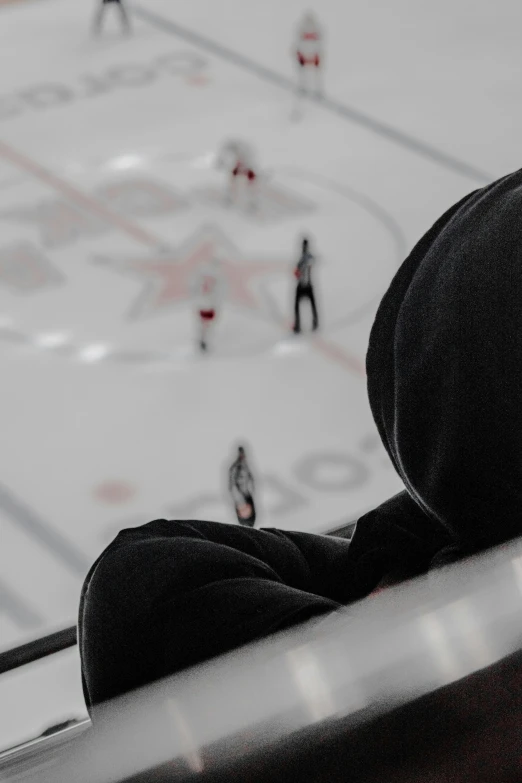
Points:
[[37, 649]]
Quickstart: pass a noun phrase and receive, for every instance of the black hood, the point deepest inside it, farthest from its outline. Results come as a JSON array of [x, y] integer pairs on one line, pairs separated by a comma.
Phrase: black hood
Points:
[[444, 368]]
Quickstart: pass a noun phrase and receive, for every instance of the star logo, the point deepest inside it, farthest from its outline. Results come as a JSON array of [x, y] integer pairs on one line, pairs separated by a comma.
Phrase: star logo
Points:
[[168, 274]]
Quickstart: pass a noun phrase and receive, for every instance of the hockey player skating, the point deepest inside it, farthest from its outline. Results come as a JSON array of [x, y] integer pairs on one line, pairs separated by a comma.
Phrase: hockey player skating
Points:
[[237, 157], [308, 53], [100, 15], [304, 288], [241, 488], [207, 288]]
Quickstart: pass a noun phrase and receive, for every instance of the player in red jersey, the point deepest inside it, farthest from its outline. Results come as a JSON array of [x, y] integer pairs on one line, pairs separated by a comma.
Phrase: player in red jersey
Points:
[[308, 51], [238, 158], [208, 289], [100, 15]]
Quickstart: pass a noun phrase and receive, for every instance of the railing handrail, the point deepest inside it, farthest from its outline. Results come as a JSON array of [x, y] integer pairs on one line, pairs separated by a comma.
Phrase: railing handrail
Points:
[[37, 649], [45, 740]]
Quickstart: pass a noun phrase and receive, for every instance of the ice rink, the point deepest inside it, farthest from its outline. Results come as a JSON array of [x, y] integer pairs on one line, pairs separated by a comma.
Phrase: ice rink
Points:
[[109, 199]]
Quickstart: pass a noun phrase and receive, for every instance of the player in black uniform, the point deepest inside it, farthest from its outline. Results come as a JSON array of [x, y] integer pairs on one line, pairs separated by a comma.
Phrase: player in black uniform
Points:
[[305, 288], [100, 14], [241, 488]]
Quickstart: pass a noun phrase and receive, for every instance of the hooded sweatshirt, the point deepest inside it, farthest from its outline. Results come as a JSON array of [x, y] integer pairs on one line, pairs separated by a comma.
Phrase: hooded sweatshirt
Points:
[[444, 368]]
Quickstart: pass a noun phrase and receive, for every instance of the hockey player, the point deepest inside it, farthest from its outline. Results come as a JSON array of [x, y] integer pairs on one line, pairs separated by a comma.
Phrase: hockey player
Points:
[[309, 55], [241, 488], [305, 288], [238, 158], [208, 289], [100, 14]]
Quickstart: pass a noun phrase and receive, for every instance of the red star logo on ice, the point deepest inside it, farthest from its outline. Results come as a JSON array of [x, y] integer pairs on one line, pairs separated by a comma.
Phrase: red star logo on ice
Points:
[[168, 273]]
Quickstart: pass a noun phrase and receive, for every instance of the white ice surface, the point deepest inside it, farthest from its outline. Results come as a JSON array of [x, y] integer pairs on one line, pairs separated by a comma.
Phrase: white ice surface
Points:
[[108, 417]]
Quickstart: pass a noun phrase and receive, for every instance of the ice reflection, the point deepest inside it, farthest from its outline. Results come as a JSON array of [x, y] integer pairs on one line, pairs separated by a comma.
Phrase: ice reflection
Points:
[[183, 732], [125, 162], [51, 339], [312, 683], [94, 352]]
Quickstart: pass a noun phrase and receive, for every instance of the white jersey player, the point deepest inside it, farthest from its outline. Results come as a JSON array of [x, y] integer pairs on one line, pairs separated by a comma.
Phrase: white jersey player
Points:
[[308, 51], [239, 159], [208, 288]]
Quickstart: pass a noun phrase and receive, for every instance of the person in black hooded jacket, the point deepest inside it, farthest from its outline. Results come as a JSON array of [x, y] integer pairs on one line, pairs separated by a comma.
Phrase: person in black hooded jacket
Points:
[[444, 368]]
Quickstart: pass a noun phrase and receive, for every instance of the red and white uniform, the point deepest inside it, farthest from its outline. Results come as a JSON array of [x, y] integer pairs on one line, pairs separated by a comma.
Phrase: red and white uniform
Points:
[[309, 42], [208, 289], [241, 158], [237, 157]]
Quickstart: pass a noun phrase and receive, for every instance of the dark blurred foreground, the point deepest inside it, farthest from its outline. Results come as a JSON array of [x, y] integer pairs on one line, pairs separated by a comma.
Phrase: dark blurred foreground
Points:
[[422, 683]]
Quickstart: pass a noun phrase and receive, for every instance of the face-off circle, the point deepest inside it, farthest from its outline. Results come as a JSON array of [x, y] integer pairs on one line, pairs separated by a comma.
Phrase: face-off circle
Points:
[[102, 271]]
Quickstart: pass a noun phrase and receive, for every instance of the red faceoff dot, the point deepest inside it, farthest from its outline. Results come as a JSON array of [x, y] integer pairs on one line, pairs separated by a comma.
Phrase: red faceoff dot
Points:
[[198, 79], [114, 492]]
